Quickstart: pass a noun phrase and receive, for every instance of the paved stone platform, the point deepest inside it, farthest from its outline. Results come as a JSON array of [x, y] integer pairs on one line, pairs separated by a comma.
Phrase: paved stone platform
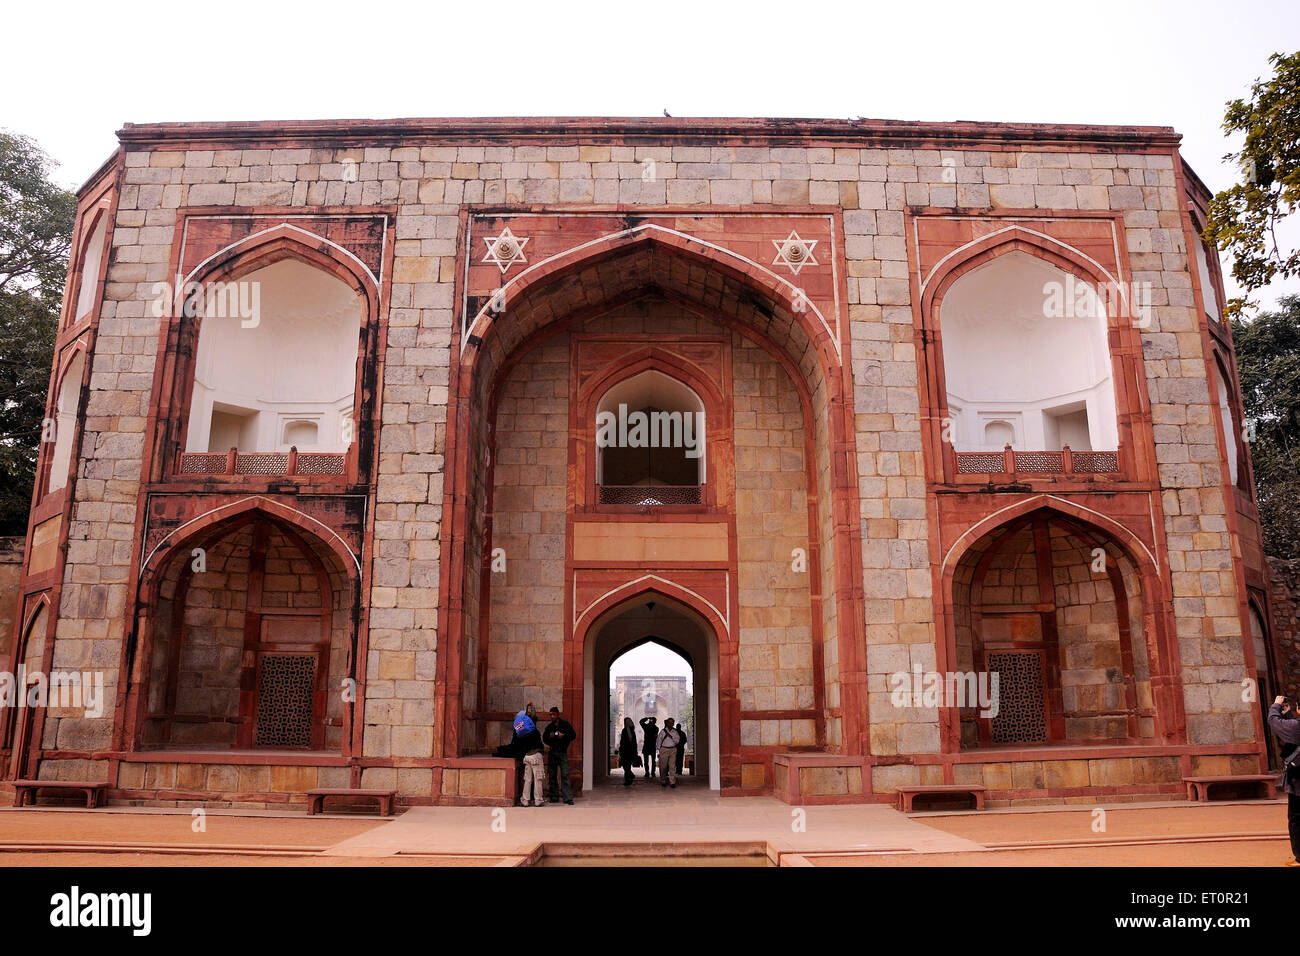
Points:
[[647, 820], [647, 813]]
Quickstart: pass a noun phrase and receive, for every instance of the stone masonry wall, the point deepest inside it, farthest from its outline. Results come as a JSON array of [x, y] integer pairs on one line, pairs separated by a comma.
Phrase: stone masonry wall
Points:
[[526, 631], [429, 183], [771, 521]]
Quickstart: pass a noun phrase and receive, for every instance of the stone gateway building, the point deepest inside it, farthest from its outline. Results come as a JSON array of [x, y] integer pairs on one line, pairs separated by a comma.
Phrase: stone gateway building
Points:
[[886, 410]]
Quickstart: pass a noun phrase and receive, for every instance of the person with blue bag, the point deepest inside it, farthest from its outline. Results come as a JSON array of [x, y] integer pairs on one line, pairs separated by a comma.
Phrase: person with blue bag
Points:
[[528, 741]]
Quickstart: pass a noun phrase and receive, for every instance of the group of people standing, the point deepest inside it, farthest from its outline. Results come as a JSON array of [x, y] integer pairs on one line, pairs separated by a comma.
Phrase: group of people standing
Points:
[[666, 747], [544, 754]]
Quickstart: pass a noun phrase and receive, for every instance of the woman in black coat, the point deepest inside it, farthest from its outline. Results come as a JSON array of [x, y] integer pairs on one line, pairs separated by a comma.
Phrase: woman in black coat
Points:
[[627, 750]]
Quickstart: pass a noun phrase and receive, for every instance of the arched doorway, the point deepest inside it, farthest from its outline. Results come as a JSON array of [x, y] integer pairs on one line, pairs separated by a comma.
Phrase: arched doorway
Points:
[[650, 618], [248, 632], [1058, 609]]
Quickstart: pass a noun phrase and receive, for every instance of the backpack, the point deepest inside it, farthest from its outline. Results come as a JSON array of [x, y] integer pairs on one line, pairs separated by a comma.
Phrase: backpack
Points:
[[524, 724]]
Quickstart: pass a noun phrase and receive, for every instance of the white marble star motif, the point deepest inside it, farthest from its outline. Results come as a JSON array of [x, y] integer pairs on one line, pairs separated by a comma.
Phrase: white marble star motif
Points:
[[794, 252], [505, 250]]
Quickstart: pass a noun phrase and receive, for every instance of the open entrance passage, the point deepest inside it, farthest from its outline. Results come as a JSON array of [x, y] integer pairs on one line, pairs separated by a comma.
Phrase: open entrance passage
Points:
[[651, 659], [651, 683]]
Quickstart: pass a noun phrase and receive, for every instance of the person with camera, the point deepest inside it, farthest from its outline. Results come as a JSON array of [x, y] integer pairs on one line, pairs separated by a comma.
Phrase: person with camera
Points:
[[1285, 724], [669, 740], [650, 743]]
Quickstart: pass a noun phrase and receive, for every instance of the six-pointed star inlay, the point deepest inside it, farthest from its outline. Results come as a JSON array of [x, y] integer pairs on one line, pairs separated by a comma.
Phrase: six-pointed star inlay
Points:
[[505, 250], [794, 252]]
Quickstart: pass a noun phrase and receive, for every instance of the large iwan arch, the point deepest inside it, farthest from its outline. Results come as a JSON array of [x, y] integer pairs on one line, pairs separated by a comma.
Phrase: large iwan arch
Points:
[[595, 283]]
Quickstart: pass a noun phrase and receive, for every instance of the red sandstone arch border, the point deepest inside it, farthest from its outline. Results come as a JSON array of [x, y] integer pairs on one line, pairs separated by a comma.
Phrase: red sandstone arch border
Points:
[[1162, 647], [216, 524], [245, 255], [1119, 595], [842, 511], [64, 362], [89, 223], [588, 623], [1132, 409], [179, 346], [19, 726], [775, 287], [149, 567]]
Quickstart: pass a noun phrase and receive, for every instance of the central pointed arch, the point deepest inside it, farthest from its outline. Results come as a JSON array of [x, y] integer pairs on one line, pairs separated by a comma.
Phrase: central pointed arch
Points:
[[591, 283], [678, 618]]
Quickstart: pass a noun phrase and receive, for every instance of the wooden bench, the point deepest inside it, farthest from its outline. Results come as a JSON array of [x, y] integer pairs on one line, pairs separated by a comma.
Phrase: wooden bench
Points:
[[316, 798], [907, 794], [24, 788], [1198, 788]]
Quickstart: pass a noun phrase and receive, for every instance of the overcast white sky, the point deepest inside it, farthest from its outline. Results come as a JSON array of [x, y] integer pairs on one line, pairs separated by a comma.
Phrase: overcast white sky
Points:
[[74, 73], [653, 660]]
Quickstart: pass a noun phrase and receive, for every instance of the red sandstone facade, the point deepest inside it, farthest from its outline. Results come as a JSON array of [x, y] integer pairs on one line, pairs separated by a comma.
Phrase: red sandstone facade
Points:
[[371, 612]]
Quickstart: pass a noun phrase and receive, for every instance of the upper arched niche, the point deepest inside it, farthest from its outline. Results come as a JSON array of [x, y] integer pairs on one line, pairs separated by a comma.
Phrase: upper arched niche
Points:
[[286, 377], [650, 430], [1026, 358]]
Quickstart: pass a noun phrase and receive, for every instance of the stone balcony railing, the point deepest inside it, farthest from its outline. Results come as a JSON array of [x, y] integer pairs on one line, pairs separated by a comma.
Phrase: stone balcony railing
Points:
[[1063, 462], [651, 495], [292, 462]]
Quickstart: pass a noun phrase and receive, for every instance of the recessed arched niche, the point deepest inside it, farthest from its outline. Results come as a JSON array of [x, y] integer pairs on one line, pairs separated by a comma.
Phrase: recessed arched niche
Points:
[[285, 377], [1027, 359]]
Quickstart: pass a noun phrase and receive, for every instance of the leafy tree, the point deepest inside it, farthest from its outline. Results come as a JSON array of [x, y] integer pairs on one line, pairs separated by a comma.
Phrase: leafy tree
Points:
[[36, 218], [1268, 360], [1243, 219], [687, 720]]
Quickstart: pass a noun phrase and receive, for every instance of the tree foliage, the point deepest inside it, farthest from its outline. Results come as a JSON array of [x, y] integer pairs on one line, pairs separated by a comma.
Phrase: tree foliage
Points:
[[1268, 360], [36, 218], [1242, 220]]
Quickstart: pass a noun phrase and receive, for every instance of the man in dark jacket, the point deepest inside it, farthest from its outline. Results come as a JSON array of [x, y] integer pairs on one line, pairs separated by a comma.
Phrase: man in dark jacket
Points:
[[557, 736], [681, 748], [649, 743], [1286, 727]]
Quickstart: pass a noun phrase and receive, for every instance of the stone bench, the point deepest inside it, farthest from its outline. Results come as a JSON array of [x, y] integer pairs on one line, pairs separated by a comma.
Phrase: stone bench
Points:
[[25, 790], [316, 798], [907, 794], [1198, 788]]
